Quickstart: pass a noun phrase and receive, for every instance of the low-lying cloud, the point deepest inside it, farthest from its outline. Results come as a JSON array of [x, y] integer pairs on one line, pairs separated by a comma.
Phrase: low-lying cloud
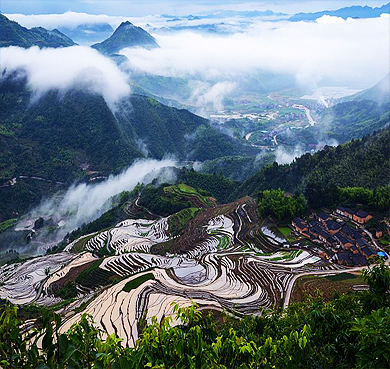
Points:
[[83, 203], [284, 155], [351, 52], [206, 96], [66, 68]]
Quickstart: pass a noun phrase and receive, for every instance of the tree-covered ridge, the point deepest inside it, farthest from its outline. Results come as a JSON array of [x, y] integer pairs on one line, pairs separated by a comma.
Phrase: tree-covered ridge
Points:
[[126, 35], [350, 331], [13, 34], [275, 203], [358, 163]]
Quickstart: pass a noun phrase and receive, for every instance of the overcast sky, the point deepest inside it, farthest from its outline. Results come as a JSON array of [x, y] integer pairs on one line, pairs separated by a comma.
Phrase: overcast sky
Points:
[[145, 7]]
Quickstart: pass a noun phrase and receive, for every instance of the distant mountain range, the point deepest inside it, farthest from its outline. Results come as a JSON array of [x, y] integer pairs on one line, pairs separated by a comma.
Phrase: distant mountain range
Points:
[[88, 33], [348, 12], [126, 35], [13, 34]]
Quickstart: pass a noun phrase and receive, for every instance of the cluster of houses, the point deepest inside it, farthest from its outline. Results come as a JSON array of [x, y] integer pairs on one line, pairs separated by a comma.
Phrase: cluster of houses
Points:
[[344, 244]]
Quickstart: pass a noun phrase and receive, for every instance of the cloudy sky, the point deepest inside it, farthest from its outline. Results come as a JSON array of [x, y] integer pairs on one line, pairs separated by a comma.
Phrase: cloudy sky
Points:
[[175, 7], [350, 53]]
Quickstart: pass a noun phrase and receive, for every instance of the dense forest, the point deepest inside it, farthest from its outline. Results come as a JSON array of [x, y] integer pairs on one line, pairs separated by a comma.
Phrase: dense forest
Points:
[[358, 163], [350, 331]]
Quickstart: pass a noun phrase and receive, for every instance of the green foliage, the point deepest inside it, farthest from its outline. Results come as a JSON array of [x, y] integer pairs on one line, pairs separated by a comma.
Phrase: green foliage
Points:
[[237, 168], [155, 200], [68, 291], [376, 199], [179, 221], [217, 185], [183, 192], [373, 339], [378, 280], [358, 163], [135, 283], [276, 204], [7, 224]]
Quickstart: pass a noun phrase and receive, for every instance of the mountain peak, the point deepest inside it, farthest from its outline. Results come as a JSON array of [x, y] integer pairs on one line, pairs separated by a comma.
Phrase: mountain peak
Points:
[[126, 23], [126, 35]]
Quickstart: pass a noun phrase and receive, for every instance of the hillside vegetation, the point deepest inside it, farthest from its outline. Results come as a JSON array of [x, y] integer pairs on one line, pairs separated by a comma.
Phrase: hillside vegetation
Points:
[[358, 163], [13, 34]]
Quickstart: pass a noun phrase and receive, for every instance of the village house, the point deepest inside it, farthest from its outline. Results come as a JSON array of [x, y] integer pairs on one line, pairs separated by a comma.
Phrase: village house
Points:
[[362, 216], [346, 212], [368, 252], [378, 233], [350, 259], [323, 217], [344, 242], [332, 226], [300, 226]]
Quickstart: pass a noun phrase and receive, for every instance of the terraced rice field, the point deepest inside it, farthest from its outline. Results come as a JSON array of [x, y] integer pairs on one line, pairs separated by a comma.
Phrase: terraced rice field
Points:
[[222, 260]]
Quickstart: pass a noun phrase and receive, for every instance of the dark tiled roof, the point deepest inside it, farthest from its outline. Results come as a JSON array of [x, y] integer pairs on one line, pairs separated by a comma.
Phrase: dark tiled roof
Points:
[[313, 222], [345, 256], [331, 239], [359, 259], [368, 251], [361, 242], [316, 229], [351, 259], [361, 213], [323, 215], [324, 234], [332, 225], [345, 210], [343, 240], [348, 231], [299, 223]]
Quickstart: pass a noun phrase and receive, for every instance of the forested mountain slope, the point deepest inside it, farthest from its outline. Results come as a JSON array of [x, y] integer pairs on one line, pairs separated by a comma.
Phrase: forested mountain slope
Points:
[[73, 135], [13, 34], [364, 162]]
